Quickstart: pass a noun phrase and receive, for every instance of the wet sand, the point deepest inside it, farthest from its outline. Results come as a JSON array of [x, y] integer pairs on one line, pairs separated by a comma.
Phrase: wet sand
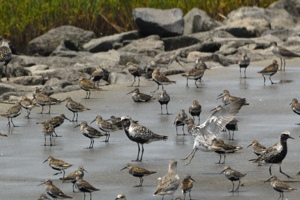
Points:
[[269, 113]]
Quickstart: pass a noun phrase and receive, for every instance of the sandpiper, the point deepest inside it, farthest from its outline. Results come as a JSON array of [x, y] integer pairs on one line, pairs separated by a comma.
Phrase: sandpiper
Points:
[[137, 96], [105, 126], [196, 73], [72, 177], [295, 107], [233, 175], [116, 121], [257, 148], [139, 134], [11, 113], [53, 191], [58, 165], [135, 71], [207, 131], [121, 197], [87, 85], [195, 110], [232, 126], [282, 53], [168, 184], [269, 70], [84, 186], [138, 172], [244, 62], [27, 104], [3, 135], [42, 99], [160, 78], [191, 126], [75, 107], [180, 120], [186, 185], [5, 56], [163, 99], [227, 98], [55, 122], [96, 76], [43, 197], [276, 153], [47, 130], [222, 149], [279, 186]]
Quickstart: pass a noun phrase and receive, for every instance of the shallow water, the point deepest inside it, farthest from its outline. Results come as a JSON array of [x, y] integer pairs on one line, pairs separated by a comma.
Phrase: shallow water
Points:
[[23, 153]]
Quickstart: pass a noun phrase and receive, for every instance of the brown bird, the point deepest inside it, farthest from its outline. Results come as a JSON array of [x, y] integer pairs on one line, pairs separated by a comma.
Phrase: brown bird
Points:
[[160, 78], [55, 122], [186, 185], [196, 73], [257, 148], [12, 112], [138, 96], [270, 70], [87, 85], [195, 110], [53, 191], [295, 107], [72, 177], [180, 120], [58, 165], [227, 98], [244, 62], [84, 186], [5, 56], [27, 104], [138, 172], [75, 107], [48, 130], [135, 71], [279, 186], [233, 175], [42, 99], [163, 99], [96, 76], [222, 149]]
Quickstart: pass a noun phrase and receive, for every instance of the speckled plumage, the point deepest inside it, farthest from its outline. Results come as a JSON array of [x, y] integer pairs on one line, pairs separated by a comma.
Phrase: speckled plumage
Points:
[[186, 185], [257, 148], [42, 99], [227, 98], [47, 130], [53, 191], [11, 113], [5, 56], [72, 177], [55, 122], [269, 70], [180, 121], [137, 96], [233, 175], [135, 71], [164, 99], [87, 86], [58, 165], [295, 106], [75, 107], [280, 186], [160, 78], [222, 148], [84, 186], [105, 126], [27, 104], [195, 110], [196, 73]]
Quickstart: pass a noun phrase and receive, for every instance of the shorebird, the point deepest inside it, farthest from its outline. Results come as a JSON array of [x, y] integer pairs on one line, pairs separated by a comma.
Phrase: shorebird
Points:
[[282, 53], [257, 148], [48, 130], [11, 113], [180, 120], [195, 110], [43, 197], [87, 86], [232, 126], [58, 165], [27, 104], [269, 70], [222, 149], [138, 172], [276, 153], [137, 96], [72, 177], [196, 73], [279, 186], [90, 132], [84, 186], [53, 191], [135, 71], [2, 135], [105, 126], [295, 107], [139, 134], [42, 99], [168, 184], [160, 78], [116, 121], [5, 56], [55, 122], [208, 131], [191, 126], [243, 62], [227, 98], [121, 197], [163, 99], [75, 107], [186, 185], [233, 175], [96, 76]]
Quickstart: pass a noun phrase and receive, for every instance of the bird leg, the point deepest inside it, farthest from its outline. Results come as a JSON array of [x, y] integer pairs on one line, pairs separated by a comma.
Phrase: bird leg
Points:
[[138, 155], [142, 153], [237, 189], [264, 79], [55, 135], [245, 72], [13, 123], [49, 109], [271, 80], [219, 159], [232, 187], [187, 83], [141, 182], [191, 154], [196, 83], [133, 82], [283, 172], [138, 82]]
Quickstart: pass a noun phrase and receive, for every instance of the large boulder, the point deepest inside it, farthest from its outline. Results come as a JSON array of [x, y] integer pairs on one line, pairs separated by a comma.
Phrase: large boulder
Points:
[[164, 23], [72, 36]]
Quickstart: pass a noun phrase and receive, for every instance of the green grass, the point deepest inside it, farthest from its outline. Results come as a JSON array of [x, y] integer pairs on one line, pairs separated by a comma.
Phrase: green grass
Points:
[[23, 20]]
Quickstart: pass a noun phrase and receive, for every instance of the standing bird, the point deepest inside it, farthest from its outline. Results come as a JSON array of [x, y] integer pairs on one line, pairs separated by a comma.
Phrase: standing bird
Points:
[[206, 133], [233, 175], [295, 107], [168, 184], [160, 79], [84, 186], [90, 132], [27, 104], [55, 122], [42, 99], [5, 56], [121, 197], [96, 76], [276, 153], [138, 172], [282, 53], [72, 177], [270, 70], [279, 186], [180, 120], [243, 63], [116, 121], [163, 99], [12, 112], [222, 149], [53, 191], [75, 107], [195, 110], [186, 185], [137, 96], [58, 165], [139, 134], [232, 126], [48, 130], [105, 126], [87, 85], [227, 98], [135, 71], [196, 73], [257, 148]]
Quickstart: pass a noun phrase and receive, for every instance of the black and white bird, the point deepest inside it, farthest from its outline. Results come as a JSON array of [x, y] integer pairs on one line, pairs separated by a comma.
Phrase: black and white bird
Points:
[[135, 71], [279, 186], [244, 62], [85, 187], [138, 96], [195, 110], [196, 73], [163, 99], [233, 175], [180, 120]]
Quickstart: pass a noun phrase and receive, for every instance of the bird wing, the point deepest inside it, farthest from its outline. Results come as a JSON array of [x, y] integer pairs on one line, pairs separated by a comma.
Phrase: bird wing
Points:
[[287, 53]]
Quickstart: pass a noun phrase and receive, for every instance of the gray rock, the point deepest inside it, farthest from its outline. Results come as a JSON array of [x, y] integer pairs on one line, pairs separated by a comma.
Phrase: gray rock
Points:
[[282, 34], [139, 59], [243, 13], [4, 88], [164, 23], [45, 44], [173, 43], [28, 80]]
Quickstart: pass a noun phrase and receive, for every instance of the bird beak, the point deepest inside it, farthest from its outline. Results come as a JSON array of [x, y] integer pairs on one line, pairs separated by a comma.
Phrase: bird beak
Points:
[[123, 168], [178, 62], [130, 92], [85, 170], [76, 126], [45, 160], [222, 172], [193, 180], [93, 121], [213, 109], [291, 137], [41, 183], [249, 145], [220, 96], [268, 180]]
